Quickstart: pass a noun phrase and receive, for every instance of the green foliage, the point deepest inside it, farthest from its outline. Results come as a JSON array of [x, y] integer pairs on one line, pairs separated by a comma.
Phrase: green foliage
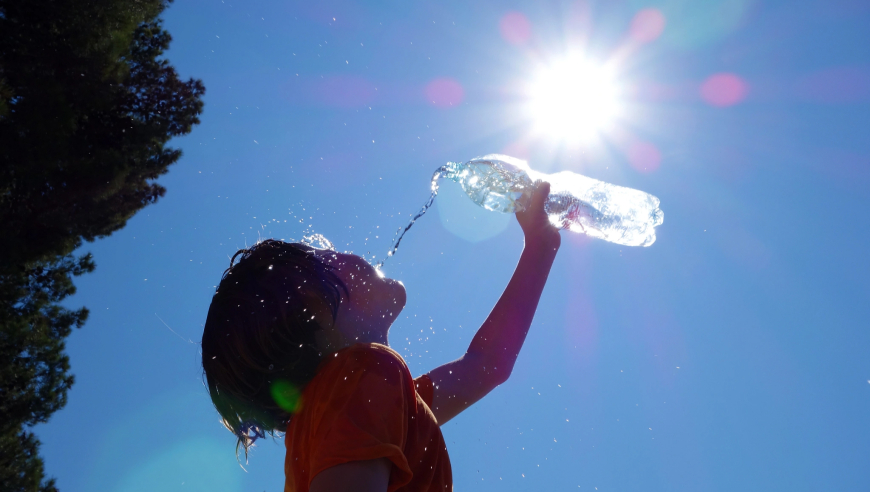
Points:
[[33, 327], [87, 105], [22, 468]]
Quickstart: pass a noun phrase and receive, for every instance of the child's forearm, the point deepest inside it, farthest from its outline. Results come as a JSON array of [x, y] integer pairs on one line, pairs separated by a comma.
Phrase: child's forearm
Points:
[[493, 351], [498, 341]]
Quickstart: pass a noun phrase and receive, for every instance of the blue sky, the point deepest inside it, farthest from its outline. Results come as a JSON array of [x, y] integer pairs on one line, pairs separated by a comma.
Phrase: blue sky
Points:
[[729, 355]]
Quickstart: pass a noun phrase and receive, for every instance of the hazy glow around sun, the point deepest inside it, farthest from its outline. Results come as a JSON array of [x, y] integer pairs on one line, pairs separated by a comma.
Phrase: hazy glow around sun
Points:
[[573, 99]]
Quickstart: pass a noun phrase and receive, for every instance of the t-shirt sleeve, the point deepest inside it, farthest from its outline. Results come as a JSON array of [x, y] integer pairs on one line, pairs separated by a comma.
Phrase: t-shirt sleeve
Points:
[[425, 389], [369, 421]]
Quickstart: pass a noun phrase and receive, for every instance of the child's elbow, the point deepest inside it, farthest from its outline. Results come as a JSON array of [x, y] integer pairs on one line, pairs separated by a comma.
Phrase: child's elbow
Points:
[[490, 371], [500, 375]]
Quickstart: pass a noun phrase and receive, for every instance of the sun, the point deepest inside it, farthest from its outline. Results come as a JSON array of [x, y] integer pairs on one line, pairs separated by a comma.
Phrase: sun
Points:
[[572, 100]]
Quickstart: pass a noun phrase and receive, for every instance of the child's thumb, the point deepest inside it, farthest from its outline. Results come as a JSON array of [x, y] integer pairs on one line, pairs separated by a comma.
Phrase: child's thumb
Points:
[[542, 192]]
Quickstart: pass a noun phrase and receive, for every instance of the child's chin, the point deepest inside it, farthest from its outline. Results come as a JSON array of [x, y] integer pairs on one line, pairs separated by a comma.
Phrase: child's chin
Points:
[[399, 295]]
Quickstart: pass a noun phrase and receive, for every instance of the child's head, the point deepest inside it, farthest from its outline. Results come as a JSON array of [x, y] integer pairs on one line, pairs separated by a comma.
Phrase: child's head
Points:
[[276, 313]]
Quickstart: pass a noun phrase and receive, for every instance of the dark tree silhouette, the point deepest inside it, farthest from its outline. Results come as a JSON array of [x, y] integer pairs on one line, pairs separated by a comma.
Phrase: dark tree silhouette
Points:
[[87, 105]]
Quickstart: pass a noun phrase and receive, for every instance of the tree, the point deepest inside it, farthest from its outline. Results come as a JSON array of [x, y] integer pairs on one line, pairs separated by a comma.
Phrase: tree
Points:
[[87, 106]]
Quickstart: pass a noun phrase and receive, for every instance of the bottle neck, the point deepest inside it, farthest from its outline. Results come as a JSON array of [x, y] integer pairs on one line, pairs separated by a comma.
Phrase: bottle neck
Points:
[[451, 170]]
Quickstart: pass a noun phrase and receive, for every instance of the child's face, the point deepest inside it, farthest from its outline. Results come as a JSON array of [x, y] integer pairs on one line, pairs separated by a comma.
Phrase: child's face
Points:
[[374, 303]]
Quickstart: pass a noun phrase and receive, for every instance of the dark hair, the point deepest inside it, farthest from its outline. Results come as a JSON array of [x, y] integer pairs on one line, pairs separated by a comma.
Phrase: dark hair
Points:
[[258, 343]]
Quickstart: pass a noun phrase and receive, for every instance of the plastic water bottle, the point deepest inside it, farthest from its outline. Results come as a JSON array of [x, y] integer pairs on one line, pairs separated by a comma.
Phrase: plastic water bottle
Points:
[[614, 213], [505, 184]]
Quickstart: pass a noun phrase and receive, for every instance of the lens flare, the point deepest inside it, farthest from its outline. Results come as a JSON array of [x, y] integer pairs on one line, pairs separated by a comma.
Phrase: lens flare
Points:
[[647, 25], [515, 28], [724, 89], [286, 396], [444, 92], [573, 99], [644, 156]]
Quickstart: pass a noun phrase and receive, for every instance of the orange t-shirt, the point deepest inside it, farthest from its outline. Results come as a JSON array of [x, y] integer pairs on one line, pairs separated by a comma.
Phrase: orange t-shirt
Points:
[[363, 405]]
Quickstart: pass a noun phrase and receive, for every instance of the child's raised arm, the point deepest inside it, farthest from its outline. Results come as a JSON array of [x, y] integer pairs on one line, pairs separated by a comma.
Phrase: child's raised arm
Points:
[[493, 351]]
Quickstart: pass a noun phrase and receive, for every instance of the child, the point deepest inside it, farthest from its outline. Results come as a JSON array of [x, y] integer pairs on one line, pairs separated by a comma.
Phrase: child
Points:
[[296, 341]]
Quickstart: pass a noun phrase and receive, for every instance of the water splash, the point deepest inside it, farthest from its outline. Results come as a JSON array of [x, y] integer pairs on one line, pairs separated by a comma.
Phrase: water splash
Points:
[[318, 241], [439, 173]]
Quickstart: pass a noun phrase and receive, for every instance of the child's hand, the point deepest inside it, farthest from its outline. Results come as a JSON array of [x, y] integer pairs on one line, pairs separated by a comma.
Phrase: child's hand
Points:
[[535, 223]]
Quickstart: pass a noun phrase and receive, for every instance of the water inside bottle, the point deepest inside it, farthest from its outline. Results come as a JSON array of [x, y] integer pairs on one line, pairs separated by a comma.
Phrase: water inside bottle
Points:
[[578, 203]]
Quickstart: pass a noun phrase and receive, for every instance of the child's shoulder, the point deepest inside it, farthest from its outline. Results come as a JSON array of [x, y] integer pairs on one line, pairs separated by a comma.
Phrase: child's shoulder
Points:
[[362, 369], [368, 357]]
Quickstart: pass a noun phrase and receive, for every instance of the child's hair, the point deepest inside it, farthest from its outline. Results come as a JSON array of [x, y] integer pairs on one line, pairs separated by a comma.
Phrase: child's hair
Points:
[[258, 343]]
